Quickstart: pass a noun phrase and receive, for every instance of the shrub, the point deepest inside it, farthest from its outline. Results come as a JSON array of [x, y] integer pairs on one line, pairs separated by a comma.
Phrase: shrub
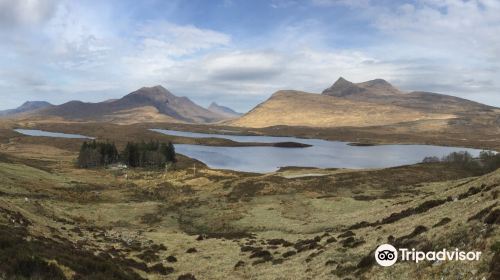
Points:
[[430, 159], [490, 160], [487, 161]]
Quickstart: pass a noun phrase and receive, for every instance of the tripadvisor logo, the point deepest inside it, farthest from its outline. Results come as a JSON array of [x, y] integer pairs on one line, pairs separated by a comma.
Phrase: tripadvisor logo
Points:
[[387, 255]]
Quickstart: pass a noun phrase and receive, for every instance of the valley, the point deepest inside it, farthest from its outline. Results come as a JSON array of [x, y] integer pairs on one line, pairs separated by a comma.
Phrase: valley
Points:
[[157, 225]]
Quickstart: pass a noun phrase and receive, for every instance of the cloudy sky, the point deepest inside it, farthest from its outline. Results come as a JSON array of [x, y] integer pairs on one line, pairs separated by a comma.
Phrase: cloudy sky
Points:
[[238, 52]]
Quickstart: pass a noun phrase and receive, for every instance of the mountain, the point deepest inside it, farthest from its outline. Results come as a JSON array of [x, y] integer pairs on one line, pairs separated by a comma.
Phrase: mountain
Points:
[[222, 110], [377, 87], [370, 103], [28, 106], [381, 92], [147, 104], [296, 108]]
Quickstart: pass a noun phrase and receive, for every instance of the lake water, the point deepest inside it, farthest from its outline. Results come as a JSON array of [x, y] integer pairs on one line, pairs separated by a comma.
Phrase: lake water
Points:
[[323, 154], [35, 132]]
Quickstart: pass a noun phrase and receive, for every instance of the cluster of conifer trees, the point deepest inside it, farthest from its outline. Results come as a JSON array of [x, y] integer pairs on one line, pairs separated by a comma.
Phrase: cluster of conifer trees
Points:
[[152, 154]]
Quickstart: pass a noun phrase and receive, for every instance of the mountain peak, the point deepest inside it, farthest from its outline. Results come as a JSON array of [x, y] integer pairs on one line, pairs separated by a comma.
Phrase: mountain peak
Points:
[[377, 82], [34, 102], [33, 105], [157, 87], [342, 87], [153, 89], [155, 93], [27, 106], [341, 80], [379, 87]]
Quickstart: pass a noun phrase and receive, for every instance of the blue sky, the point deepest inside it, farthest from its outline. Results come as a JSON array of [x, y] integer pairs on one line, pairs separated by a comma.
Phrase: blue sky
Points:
[[238, 52]]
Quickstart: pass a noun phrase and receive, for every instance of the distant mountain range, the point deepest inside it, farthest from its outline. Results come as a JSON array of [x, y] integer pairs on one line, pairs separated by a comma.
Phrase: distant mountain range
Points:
[[370, 103], [28, 106], [222, 110], [148, 104]]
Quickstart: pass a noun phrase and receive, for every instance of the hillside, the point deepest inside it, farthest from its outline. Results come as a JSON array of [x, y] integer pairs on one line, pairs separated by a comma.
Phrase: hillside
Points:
[[148, 104], [26, 107], [297, 108], [369, 103]]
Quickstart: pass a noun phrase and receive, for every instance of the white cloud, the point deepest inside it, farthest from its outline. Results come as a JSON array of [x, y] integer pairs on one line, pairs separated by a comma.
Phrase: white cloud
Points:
[[65, 49], [471, 27], [160, 46], [242, 66], [351, 3], [280, 4], [454, 44], [179, 40], [16, 13]]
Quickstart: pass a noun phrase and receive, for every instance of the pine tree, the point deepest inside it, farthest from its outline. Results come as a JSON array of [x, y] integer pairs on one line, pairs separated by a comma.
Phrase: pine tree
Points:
[[171, 153]]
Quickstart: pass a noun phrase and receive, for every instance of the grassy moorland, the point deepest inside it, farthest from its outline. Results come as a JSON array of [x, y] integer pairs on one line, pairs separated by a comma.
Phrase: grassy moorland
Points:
[[58, 221]]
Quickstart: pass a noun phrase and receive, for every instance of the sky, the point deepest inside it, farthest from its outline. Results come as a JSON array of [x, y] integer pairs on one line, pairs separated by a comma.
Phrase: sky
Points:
[[238, 52]]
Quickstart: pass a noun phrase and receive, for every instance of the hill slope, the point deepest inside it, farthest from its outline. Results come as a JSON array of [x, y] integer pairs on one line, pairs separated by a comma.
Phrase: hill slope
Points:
[[370, 103], [296, 108], [146, 104]]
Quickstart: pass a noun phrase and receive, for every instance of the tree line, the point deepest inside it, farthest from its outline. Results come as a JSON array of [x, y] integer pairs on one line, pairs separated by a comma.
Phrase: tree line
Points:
[[487, 161], [152, 154]]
